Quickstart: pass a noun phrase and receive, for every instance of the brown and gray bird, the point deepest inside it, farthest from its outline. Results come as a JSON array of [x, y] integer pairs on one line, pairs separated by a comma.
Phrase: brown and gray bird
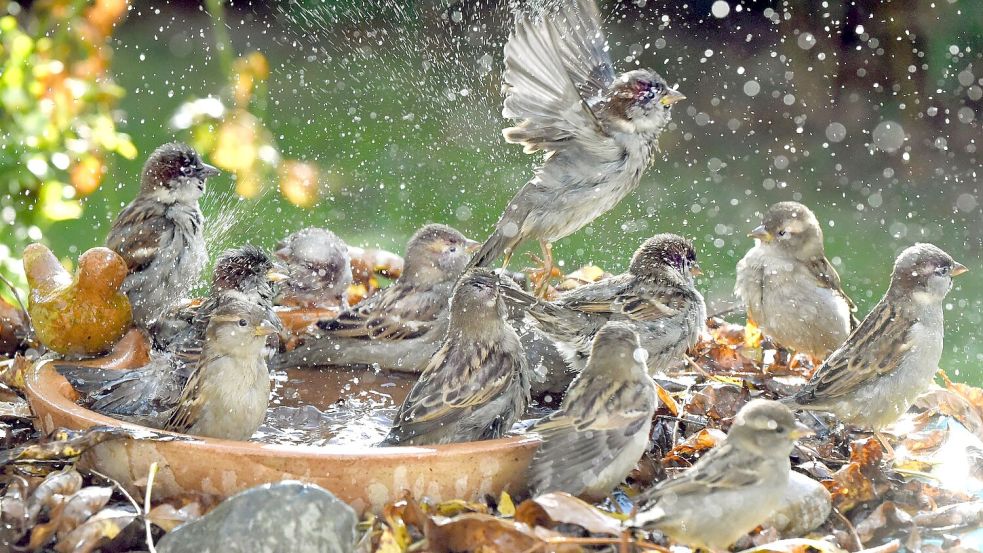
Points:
[[476, 385], [597, 130], [159, 234], [791, 290], [601, 429], [229, 390], [657, 296], [241, 275], [892, 357], [319, 266], [733, 488], [400, 327]]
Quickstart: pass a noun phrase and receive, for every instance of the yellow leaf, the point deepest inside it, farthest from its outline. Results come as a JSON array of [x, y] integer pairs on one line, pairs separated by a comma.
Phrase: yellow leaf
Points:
[[388, 543], [505, 505]]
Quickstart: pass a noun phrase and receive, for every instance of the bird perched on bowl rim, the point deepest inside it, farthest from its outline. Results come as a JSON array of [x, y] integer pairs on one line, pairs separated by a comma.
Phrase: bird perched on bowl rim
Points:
[[596, 437], [159, 234], [477, 384], [733, 488], [598, 130], [791, 290], [400, 327], [229, 390], [892, 357], [657, 296]]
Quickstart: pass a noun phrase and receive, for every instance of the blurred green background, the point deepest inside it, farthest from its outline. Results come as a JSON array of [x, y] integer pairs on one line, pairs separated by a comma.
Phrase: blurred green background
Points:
[[869, 114]]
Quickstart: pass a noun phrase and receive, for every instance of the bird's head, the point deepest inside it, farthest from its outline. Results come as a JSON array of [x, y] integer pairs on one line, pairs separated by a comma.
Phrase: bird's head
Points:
[[246, 269], [766, 427], [477, 301], [174, 173], [791, 227], [666, 255], [437, 253], [924, 273], [642, 98], [238, 328]]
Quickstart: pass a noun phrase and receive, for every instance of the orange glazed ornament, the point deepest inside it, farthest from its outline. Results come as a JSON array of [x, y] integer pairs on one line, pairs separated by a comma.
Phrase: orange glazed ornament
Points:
[[84, 314]]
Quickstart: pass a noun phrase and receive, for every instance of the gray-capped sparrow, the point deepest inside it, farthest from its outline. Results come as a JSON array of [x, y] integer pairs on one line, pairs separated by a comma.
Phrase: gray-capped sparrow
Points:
[[159, 234], [319, 266], [400, 327], [791, 290], [601, 429], [477, 384], [229, 390], [892, 357], [241, 275], [598, 130], [733, 488], [657, 296]]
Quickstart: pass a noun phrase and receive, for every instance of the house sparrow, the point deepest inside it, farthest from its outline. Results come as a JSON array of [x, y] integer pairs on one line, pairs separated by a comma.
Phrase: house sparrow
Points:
[[657, 296], [159, 234], [892, 357], [598, 130], [319, 266], [400, 327], [229, 391], [731, 489], [791, 290], [241, 276], [602, 426], [246, 274], [477, 384]]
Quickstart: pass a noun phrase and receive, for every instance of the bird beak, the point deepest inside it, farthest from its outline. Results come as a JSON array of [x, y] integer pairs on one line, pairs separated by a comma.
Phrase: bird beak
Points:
[[265, 329], [274, 275], [760, 233], [695, 270], [208, 171], [959, 269], [471, 246], [801, 431], [671, 97]]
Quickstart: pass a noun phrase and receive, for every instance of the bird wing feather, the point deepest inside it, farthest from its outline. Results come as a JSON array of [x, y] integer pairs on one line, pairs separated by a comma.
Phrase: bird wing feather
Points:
[[550, 62], [136, 235], [395, 313], [638, 302], [871, 351], [827, 277]]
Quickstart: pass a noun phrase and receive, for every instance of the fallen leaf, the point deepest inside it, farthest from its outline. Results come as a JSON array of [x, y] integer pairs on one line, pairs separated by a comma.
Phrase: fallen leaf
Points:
[[717, 401], [68, 445], [506, 507], [62, 483], [697, 443], [98, 529], [960, 515], [68, 514], [549, 510], [167, 517], [887, 516], [476, 532], [797, 545]]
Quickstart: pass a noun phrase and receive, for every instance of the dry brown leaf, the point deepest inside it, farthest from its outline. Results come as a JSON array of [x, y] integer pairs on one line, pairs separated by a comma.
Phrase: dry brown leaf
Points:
[[18, 409], [167, 517], [886, 517], [854, 483], [54, 489], [551, 509], [960, 515], [476, 532], [101, 527], [796, 545], [717, 401], [699, 442]]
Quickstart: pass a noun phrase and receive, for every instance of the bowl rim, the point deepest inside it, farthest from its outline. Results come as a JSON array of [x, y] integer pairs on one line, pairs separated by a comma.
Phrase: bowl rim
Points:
[[47, 392]]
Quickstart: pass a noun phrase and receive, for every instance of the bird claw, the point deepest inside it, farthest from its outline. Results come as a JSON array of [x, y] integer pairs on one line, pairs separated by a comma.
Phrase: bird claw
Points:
[[540, 275]]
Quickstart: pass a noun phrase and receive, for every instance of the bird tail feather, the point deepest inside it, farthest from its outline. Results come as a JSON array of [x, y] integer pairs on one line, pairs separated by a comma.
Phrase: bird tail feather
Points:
[[493, 248]]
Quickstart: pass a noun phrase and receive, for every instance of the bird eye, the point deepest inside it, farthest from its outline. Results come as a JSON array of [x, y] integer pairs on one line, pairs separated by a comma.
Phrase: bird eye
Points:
[[942, 271], [186, 170], [783, 233], [243, 323], [780, 430], [452, 249]]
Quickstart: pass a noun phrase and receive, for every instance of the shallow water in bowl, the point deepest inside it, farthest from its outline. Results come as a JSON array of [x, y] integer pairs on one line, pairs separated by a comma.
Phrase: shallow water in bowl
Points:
[[340, 406]]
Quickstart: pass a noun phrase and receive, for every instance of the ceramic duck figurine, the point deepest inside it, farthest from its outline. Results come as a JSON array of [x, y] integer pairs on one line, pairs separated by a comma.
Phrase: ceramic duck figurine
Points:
[[80, 314]]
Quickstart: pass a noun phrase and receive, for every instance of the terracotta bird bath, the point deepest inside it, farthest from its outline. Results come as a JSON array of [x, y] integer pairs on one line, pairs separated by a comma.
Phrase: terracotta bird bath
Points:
[[365, 477]]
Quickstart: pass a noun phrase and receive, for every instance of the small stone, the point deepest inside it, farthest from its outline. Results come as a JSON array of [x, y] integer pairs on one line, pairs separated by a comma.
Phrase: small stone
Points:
[[285, 516], [805, 507]]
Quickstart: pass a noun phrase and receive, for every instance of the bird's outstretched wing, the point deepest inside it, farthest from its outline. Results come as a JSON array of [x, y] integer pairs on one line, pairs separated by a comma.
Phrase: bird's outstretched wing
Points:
[[553, 65], [871, 351]]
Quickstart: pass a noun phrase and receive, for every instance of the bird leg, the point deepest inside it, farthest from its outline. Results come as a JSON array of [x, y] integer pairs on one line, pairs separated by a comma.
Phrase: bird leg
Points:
[[540, 277]]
